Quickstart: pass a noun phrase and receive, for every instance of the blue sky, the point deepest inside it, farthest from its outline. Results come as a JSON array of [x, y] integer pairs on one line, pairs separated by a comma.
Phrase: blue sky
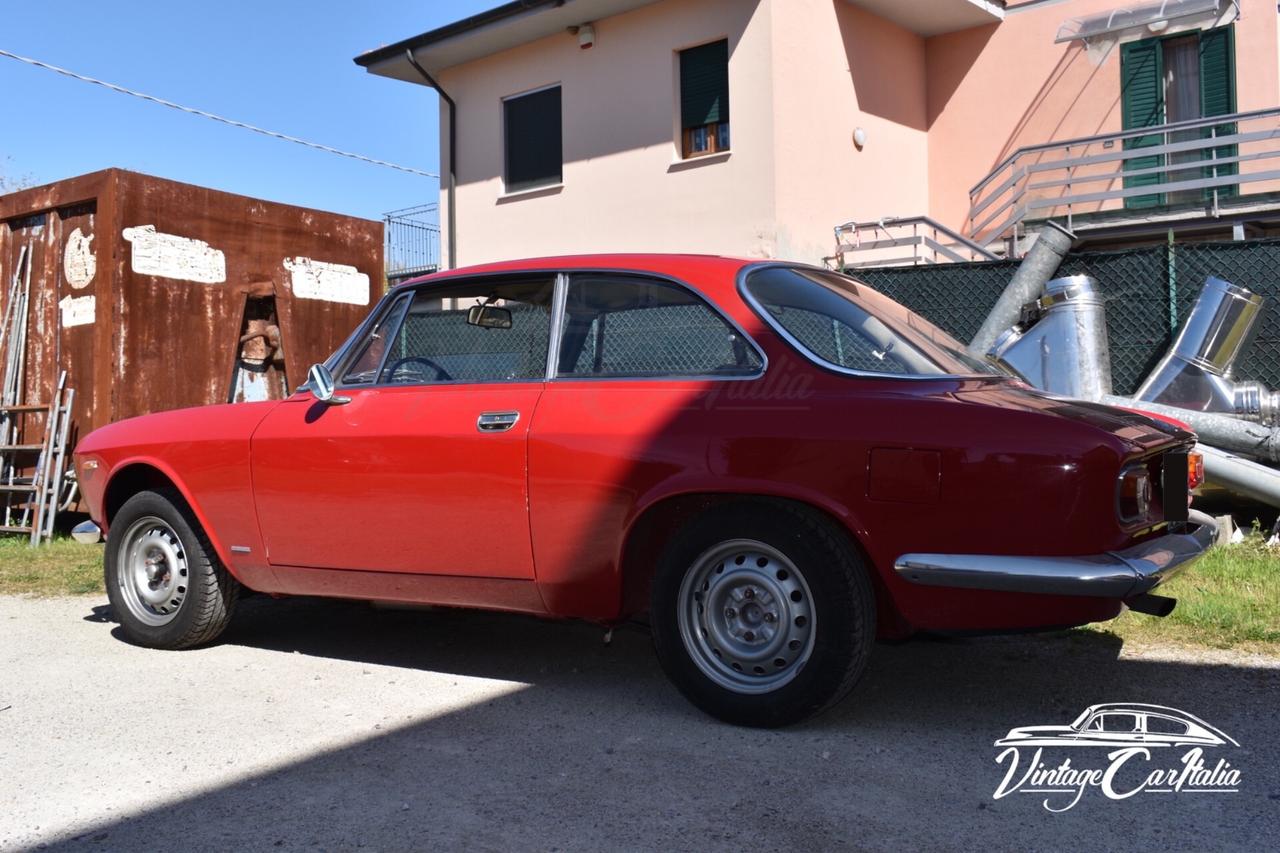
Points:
[[280, 64]]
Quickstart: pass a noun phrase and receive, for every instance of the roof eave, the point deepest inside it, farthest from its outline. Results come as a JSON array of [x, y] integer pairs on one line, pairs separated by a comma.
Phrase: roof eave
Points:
[[453, 30]]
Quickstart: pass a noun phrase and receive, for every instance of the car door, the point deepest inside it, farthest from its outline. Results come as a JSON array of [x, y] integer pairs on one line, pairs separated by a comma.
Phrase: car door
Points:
[[423, 469], [635, 402]]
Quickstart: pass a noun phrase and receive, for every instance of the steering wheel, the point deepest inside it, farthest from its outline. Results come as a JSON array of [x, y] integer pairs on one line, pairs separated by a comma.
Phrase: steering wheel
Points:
[[442, 375]]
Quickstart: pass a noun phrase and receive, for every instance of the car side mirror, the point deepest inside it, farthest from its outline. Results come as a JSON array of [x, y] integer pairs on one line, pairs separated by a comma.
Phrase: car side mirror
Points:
[[320, 382], [489, 317]]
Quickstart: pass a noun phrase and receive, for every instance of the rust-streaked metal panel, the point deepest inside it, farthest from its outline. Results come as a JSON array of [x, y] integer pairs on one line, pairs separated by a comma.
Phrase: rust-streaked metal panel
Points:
[[160, 335]]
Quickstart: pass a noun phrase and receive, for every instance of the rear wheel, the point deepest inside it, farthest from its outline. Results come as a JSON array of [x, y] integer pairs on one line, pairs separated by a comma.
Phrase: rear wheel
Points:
[[166, 584], [762, 615]]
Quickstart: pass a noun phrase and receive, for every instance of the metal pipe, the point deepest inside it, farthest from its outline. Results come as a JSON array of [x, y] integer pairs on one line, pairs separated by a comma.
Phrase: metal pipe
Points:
[[1240, 475], [1196, 371], [1027, 284], [1222, 431], [452, 187], [1061, 345]]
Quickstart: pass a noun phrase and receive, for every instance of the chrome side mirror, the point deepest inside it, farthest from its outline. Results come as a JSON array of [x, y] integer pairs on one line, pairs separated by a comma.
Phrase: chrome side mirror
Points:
[[320, 382]]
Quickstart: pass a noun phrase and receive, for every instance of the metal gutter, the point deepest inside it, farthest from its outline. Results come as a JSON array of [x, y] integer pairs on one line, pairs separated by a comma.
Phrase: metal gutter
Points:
[[452, 186]]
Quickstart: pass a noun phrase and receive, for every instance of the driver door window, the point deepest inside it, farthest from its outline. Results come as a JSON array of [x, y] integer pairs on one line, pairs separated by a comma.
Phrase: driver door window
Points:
[[433, 336]]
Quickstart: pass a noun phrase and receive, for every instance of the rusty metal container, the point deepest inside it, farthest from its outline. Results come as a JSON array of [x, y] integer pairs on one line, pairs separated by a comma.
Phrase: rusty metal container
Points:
[[153, 294]]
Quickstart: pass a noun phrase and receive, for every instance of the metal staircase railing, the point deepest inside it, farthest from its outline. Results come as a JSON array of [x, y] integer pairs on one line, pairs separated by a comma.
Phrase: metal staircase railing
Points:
[[878, 244], [1204, 161]]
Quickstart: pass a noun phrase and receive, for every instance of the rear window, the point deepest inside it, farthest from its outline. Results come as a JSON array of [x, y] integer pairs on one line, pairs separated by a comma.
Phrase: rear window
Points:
[[844, 324]]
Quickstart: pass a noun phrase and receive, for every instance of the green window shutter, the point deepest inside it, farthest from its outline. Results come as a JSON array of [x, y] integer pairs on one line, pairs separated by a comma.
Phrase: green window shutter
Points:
[[704, 84], [1142, 105], [1218, 94], [1217, 72]]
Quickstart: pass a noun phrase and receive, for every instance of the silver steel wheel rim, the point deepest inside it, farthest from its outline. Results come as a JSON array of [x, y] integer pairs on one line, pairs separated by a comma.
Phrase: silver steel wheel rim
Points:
[[746, 616], [152, 571]]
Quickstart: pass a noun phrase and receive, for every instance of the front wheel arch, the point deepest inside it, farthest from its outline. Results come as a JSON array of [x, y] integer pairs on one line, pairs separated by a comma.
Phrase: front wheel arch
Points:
[[143, 475], [128, 481]]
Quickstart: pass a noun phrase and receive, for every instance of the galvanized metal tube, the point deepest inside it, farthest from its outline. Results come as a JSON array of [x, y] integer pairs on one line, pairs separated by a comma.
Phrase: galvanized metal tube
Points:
[[1028, 282], [1240, 476], [1222, 431], [1196, 373], [1065, 351]]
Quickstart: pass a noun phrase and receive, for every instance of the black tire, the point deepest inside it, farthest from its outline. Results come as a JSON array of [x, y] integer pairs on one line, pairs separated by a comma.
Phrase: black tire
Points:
[[843, 612], [207, 596]]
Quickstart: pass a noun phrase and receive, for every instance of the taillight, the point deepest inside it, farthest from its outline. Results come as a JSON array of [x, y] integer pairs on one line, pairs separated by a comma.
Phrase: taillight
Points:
[[1195, 471], [1133, 494]]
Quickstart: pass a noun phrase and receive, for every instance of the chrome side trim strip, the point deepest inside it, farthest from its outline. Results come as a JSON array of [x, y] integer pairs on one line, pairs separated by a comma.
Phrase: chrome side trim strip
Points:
[[1112, 574]]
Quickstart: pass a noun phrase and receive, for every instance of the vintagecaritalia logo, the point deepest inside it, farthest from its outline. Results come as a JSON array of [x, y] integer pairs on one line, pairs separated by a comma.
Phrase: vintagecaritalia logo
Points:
[[1139, 746]]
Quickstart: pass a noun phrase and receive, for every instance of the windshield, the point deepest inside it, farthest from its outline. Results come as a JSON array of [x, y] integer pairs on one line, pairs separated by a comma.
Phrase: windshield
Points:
[[848, 325]]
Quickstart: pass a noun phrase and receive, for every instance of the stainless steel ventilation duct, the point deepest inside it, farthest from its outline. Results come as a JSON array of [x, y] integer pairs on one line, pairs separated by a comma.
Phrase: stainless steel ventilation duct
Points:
[[1060, 344], [1196, 372]]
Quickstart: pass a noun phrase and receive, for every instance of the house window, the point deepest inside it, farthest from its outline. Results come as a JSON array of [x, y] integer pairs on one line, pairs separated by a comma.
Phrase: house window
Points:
[[531, 126], [704, 99], [1174, 79]]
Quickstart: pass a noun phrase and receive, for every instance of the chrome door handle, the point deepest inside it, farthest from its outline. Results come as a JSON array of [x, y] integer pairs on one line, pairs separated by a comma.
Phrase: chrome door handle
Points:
[[496, 421]]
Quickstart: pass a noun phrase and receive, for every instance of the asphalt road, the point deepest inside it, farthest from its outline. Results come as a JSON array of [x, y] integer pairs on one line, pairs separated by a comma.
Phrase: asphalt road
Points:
[[328, 725]]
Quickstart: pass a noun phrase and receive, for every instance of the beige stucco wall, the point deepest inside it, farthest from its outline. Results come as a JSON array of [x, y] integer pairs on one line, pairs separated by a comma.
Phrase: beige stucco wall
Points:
[[939, 113], [624, 188], [838, 67], [997, 88]]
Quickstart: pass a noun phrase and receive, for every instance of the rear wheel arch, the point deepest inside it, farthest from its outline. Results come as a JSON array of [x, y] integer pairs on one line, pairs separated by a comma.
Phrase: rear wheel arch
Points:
[[655, 527]]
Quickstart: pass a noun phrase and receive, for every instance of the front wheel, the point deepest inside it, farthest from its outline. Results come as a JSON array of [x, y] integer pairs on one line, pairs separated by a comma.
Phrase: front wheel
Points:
[[762, 616], [165, 582]]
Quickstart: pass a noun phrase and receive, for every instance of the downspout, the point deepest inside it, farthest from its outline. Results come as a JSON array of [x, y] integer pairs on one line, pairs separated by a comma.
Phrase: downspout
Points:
[[452, 187]]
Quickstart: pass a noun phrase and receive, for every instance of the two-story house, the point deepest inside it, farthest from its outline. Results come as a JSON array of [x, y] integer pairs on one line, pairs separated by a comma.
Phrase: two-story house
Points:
[[756, 127]]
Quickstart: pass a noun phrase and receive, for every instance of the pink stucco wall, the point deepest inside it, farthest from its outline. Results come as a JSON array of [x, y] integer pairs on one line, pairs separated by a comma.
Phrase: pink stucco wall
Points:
[[939, 113], [625, 188], [994, 89], [838, 67]]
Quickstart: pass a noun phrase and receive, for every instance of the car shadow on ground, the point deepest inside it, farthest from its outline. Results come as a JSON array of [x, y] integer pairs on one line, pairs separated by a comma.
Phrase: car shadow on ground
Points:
[[600, 752]]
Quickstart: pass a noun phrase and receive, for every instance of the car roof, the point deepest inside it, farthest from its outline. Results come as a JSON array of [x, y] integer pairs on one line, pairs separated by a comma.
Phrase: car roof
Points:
[[711, 274], [1139, 707]]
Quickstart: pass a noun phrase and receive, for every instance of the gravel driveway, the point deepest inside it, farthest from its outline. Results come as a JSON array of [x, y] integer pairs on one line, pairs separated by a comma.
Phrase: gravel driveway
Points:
[[335, 725]]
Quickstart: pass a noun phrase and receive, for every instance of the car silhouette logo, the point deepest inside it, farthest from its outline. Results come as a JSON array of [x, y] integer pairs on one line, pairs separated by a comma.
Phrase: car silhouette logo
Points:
[[1122, 724]]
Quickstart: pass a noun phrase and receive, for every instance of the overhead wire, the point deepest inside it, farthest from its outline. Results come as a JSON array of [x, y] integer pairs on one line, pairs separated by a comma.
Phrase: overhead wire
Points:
[[214, 117]]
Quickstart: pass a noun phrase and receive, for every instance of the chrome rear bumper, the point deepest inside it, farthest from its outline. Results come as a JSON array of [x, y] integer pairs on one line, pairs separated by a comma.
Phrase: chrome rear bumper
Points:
[[1113, 574]]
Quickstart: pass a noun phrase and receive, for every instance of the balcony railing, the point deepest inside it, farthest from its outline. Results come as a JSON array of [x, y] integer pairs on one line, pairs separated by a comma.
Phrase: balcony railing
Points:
[[413, 241], [1205, 162], [880, 243]]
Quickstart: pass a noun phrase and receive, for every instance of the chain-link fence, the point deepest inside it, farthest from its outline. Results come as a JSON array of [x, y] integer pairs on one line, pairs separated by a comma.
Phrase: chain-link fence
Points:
[[1148, 293]]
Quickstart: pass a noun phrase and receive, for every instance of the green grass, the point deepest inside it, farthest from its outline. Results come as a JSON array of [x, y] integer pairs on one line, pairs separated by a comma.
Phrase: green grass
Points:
[[60, 567], [1229, 599]]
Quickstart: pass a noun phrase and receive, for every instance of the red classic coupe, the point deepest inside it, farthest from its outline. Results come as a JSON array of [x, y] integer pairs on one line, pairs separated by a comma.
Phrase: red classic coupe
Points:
[[775, 462]]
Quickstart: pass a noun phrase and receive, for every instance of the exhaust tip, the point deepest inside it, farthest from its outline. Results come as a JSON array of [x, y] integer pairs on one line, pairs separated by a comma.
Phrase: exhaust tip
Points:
[[1152, 605]]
